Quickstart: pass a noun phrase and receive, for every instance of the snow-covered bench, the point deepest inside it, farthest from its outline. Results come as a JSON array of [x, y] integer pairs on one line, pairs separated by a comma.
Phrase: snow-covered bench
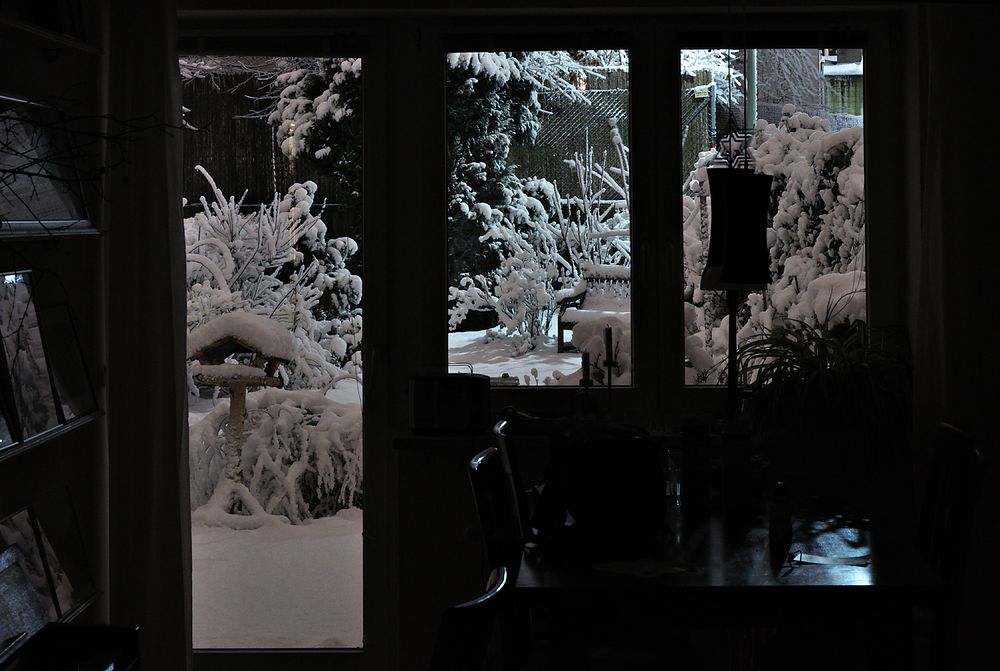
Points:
[[604, 291]]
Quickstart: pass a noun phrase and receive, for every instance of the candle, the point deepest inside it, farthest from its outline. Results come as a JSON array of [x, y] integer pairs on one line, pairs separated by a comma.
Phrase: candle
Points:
[[585, 363], [609, 349]]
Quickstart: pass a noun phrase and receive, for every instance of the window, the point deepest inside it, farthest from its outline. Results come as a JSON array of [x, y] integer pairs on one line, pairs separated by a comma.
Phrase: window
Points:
[[538, 216], [808, 134], [273, 228]]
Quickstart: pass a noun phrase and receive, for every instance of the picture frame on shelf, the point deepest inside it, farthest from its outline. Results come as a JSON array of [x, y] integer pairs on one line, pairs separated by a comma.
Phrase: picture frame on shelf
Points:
[[45, 386], [27, 593], [31, 406], [41, 191], [66, 550], [73, 384]]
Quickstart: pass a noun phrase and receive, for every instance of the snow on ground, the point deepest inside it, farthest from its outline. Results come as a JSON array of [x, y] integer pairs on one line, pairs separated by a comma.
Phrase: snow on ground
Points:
[[300, 586], [287, 586], [496, 356]]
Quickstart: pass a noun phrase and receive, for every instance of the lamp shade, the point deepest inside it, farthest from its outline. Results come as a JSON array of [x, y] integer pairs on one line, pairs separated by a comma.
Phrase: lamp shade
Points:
[[737, 252]]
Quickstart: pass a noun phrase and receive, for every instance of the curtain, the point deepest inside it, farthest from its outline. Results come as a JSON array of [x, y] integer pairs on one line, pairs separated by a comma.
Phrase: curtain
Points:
[[955, 323], [147, 430]]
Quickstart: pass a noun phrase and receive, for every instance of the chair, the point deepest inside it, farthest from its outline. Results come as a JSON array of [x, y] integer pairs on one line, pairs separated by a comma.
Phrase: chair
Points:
[[503, 543], [608, 479], [466, 629], [945, 525], [521, 425], [587, 464], [496, 508], [949, 503]]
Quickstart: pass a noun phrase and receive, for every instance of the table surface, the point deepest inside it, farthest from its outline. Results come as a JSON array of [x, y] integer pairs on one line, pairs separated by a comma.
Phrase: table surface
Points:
[[716, 550]]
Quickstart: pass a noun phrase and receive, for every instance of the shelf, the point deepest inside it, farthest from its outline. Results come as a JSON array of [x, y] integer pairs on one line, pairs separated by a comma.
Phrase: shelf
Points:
[[47, 37], [25, 235], [42, 438], [79, 608]]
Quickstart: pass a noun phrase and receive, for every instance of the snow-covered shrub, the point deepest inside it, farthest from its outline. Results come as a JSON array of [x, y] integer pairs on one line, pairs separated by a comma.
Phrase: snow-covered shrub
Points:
[[545, 241], [532, 261], [594, 221], [301, 456], [276, 261], [816, 238], [503, 249]]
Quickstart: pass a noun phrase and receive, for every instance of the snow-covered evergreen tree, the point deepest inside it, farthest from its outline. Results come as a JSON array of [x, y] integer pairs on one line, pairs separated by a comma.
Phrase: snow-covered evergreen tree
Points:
[[492, 222], [317, 114]]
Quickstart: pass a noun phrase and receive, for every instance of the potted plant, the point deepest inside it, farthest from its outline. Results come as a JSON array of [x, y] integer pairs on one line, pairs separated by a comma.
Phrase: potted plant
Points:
[[827, 406]]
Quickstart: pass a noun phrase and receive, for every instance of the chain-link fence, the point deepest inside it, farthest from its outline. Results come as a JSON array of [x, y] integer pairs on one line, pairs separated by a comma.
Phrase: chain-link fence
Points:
[[565, 127], [697, 126]]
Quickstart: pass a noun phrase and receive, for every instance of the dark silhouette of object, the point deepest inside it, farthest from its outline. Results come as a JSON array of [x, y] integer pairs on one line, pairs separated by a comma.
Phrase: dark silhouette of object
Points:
[[947, 514], [604, 496], [503, 544], [466, 629], [521, 425], [779, 530], [949, 503], [496, 508]]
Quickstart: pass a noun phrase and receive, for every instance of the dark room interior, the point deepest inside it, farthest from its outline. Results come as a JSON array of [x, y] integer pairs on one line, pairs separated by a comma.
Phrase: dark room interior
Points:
[[115, 473]]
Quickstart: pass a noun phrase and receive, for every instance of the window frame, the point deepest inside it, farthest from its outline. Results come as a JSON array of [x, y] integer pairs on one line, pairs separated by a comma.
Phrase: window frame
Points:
[[637, 400], [800, 39], [659, 395], [323, 39]]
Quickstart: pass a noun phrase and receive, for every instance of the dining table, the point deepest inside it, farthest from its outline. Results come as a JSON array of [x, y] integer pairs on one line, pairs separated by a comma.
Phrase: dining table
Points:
[[842, 576]]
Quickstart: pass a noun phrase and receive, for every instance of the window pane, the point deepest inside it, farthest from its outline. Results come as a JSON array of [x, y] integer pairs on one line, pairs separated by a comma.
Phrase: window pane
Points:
[[539, 254], [273, 226], [808, 136]]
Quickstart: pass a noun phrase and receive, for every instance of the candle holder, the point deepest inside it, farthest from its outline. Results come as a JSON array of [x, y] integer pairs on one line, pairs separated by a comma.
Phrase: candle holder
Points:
[[609, 360], [585, 380]]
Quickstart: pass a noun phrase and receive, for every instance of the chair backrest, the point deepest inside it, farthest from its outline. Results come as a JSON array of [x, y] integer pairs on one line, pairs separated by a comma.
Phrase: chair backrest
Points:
[[949, 502], [466, 629], [608, 479], [517, 428], [496, 508]]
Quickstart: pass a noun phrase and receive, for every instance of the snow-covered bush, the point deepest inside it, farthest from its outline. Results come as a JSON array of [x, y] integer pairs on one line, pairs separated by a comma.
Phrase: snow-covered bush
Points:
[[816, 238], [532, 260], [545, 241], [276, 261], [594, 221], [301, 458]]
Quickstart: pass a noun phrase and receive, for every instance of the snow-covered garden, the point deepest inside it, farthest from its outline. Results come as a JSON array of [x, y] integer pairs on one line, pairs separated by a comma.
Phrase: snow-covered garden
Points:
[[275, 300], [538, 239], [275, 375]]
